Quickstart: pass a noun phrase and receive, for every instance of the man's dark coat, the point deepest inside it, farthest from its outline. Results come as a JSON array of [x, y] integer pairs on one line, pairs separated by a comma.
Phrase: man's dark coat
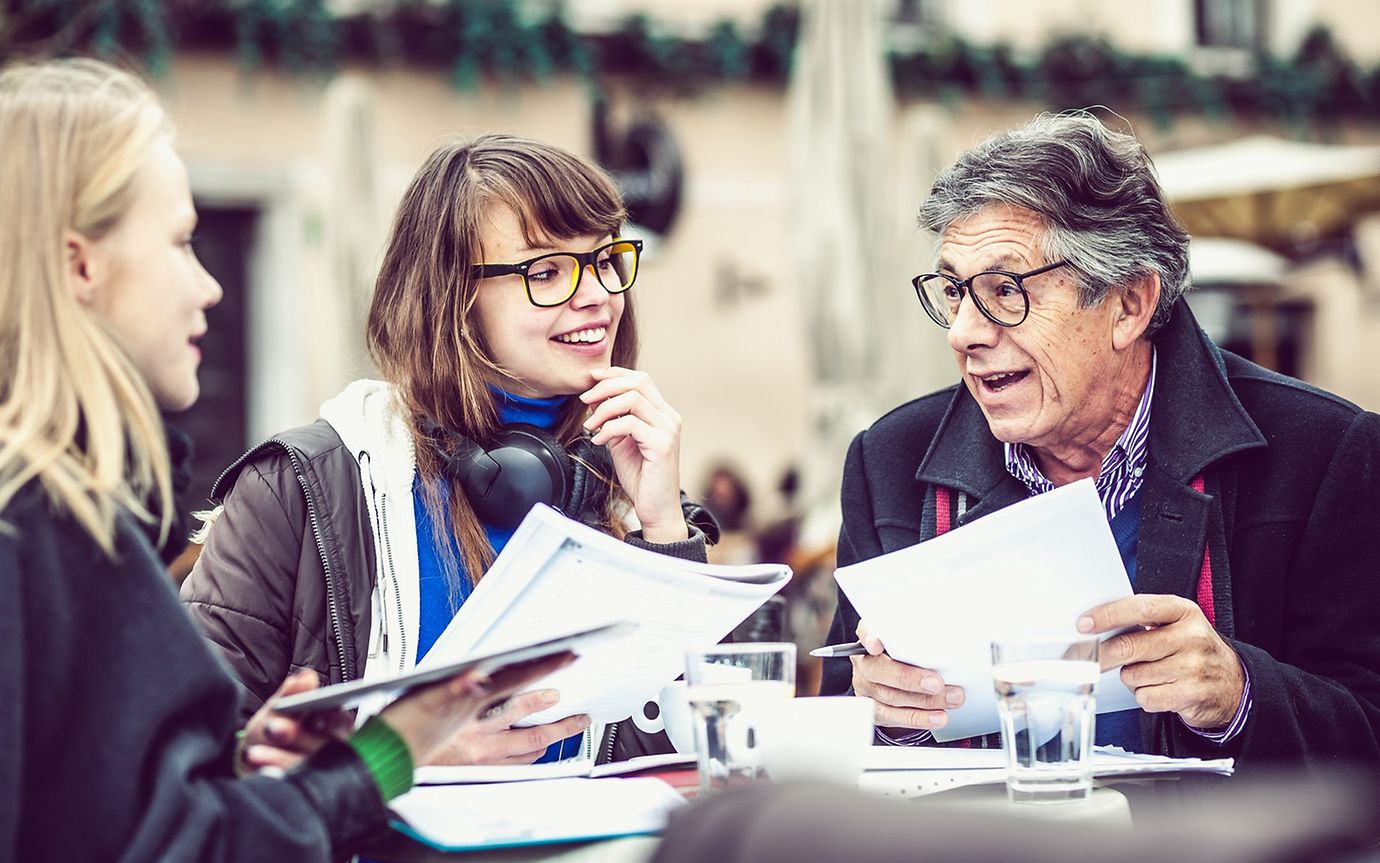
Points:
[[1288, 518]]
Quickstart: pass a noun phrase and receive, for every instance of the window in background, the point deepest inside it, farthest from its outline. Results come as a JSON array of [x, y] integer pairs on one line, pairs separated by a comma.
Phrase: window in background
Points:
[[217, 423], [1238, 24], [912, 24]]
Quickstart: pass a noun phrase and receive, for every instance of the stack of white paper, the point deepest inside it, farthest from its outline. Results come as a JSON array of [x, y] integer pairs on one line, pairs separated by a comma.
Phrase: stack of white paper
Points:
[[920, 770], [1025, 572], [1107, 761], [466, 774], [470, 817], [556, 575]]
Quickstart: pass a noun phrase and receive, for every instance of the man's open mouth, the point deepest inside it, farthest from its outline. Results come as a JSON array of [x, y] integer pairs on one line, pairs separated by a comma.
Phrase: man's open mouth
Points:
[[1000, 381]]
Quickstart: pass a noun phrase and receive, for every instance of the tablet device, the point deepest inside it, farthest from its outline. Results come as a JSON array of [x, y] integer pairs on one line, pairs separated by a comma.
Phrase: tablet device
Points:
[[350, 693]]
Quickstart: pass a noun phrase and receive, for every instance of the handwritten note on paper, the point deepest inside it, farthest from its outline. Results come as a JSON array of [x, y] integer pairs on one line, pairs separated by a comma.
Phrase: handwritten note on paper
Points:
[[1025, 572]]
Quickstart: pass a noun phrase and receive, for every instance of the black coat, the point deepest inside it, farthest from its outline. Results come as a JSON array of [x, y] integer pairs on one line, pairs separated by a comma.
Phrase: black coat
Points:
[[1288, 515], [118, 723]]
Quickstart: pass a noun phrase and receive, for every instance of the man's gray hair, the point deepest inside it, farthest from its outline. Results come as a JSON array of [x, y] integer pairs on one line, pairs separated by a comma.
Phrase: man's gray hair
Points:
[[1095, 190]]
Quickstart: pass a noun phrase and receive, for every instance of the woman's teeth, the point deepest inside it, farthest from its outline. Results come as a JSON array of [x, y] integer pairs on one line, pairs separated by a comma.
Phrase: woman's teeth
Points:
[[583, 337]]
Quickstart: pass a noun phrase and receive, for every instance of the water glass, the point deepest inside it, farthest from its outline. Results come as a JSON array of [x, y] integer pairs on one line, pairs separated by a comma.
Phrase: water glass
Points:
[[726, 683], [1048, 710]]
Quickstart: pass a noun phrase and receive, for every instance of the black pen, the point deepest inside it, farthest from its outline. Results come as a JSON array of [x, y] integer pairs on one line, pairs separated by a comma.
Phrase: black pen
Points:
[[853, 648]]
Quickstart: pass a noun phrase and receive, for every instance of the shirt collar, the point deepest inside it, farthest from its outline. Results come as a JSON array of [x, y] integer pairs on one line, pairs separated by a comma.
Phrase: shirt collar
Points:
[[1119, 478]]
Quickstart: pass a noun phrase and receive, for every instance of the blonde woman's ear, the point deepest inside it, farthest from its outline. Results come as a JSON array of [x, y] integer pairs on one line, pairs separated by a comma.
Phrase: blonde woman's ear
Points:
[[78, 268]]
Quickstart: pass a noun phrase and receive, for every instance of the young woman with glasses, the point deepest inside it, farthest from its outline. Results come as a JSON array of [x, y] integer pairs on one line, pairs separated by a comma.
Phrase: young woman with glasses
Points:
[[118, 722], [501, 319]]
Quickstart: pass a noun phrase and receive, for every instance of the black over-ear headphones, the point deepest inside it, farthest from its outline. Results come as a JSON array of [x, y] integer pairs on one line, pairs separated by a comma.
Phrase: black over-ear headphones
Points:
[[522, 467]]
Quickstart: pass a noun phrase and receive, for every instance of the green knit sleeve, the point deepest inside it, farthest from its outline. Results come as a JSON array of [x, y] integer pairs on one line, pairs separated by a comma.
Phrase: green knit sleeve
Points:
[[386, 755]]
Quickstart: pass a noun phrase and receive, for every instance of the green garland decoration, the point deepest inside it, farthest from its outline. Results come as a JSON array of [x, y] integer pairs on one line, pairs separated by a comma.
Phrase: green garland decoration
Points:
[[512, 41]]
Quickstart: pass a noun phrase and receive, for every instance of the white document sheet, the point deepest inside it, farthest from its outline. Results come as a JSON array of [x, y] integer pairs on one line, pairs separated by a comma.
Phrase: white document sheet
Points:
[[470, 817], [1024, 572], [556, 575], [468, 774], [1107, 760], [917, 770]]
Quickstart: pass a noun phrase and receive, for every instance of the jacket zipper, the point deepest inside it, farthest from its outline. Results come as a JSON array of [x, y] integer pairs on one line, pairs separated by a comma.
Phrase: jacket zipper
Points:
[[331, 604], [393, 579], [610, 736]]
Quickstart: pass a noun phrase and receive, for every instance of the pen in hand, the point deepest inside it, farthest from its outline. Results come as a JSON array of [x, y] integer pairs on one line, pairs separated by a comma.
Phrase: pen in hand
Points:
[[852, 648]]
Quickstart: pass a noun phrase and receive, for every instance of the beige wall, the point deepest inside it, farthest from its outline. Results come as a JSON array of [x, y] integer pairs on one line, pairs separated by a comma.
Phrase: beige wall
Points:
[[1353, 24], [737, 369], [1158, 26]]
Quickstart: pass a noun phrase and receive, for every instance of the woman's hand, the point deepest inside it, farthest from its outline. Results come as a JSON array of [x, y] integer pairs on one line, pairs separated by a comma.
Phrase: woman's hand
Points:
[[492, 739], [642, 434], [429, 718], [279, 740]]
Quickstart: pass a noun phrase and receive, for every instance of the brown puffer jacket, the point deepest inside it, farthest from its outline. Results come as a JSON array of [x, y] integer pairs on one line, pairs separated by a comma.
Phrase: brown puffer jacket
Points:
[[285, 579]]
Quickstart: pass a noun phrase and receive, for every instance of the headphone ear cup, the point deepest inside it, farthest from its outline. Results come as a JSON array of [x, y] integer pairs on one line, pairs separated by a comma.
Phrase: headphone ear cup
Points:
[[533, 468], [591, 469]]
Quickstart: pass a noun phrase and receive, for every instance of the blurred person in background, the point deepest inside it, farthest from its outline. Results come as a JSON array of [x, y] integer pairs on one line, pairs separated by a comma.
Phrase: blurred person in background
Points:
[[503, 329], [118, 721], [1243, 502], [809, 597], [726, 495]]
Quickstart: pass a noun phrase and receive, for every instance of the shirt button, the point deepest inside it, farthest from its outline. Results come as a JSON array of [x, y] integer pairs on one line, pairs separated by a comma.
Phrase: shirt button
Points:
[[1138, 471]]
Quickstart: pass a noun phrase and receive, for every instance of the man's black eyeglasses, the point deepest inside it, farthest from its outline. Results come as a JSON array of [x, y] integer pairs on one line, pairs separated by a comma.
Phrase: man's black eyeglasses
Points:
[[998, 294], [551, 279]]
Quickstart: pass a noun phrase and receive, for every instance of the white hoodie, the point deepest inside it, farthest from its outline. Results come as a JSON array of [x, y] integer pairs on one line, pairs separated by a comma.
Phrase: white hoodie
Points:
[[365, 416]]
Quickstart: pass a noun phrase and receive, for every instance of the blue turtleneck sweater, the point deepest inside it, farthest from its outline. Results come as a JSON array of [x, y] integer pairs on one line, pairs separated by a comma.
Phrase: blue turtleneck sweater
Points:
[[437, 608]]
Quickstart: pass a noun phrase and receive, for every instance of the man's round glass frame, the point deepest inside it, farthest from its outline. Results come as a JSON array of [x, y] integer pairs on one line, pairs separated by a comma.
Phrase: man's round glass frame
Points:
[[590, 259], [1011, 313]]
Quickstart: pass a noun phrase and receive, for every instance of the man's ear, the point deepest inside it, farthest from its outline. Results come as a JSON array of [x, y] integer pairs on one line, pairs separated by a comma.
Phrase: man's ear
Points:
[[1134, 305], [79, 267]]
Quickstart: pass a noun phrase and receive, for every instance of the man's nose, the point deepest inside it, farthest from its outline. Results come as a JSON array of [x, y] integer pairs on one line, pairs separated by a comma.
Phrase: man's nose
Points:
[[971, 328]]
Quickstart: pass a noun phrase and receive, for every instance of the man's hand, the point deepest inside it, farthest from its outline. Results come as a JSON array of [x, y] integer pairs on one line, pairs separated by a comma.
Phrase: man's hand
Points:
[[906, 697], [1177, 663]]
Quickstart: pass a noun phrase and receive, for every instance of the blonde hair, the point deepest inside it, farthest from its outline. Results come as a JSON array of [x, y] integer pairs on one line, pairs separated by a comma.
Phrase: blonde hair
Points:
[[422, 331], [75, 414]]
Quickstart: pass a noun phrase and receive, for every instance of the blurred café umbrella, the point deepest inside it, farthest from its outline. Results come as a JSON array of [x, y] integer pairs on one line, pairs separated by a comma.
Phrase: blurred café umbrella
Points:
[[1217, 261], [843, 232], [1277, 193], [1232, 272], [351, 238]]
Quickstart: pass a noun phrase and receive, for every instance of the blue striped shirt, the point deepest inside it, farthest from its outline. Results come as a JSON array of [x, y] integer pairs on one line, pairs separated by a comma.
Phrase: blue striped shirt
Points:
[[1122, 469], [1117, 482]]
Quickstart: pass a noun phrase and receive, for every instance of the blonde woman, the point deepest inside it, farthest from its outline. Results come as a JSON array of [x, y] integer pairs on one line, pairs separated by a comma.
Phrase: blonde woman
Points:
[[118, 722], [503, 326]]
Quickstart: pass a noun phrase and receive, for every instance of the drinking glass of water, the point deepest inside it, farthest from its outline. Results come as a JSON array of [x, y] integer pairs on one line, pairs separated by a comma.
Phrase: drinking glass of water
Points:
[[725, 683], [1048, 710]]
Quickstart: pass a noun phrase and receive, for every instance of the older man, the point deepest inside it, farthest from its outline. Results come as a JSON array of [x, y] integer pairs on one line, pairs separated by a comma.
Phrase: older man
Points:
[[1245, 504]]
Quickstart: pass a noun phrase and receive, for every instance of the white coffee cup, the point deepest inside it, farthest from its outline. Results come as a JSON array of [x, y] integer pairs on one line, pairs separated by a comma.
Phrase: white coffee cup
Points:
[[822, 739], [673, 717]]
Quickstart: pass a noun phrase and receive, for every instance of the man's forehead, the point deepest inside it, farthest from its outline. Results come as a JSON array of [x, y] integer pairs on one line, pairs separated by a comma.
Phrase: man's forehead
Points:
[[985, 262], [995, 237]]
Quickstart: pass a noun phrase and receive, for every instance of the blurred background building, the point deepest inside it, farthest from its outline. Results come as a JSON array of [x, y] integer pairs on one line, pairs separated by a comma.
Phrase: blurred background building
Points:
[[773, 155]]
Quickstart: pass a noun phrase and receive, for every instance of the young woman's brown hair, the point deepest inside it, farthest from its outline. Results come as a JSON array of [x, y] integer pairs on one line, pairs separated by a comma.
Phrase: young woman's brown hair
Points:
[[422, 329]]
